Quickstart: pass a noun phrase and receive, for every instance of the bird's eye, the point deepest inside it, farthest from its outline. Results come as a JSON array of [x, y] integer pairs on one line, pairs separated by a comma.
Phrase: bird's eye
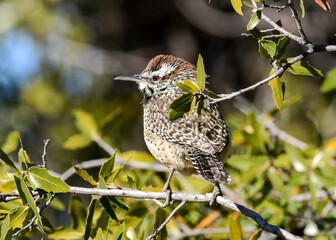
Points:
[[155, 78]]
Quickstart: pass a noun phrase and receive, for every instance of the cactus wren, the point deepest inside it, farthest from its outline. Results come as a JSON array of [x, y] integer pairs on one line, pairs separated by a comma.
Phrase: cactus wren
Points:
[[198, 144]]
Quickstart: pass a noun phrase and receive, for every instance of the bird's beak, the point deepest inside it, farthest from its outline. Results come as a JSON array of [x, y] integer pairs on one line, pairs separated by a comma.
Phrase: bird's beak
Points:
[[132, 78]]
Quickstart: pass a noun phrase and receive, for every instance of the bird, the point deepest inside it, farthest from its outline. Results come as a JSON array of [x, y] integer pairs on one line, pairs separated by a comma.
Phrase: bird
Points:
[[195, 144]]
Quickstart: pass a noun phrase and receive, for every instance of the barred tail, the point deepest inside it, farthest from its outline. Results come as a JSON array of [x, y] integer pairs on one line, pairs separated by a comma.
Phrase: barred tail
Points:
[[208, 166]]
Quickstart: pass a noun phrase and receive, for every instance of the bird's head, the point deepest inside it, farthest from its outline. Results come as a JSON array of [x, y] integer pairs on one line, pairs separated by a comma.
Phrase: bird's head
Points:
[[161, 75]]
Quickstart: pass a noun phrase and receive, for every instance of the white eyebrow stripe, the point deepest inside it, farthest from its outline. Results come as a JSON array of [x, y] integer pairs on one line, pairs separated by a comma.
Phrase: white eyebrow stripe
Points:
[[165, 69]]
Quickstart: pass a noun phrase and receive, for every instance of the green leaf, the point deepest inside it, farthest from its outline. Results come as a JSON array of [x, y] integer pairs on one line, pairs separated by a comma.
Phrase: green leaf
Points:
[[85, 175], [302, 68], [326, 181], [235, 229], [41, 178], [4, 228], [182, 103], [11, 142], [237, 5], [116, 172], [100, 235], [173, 115], [254, 20], [89, 218], [210, 94], [107, 167], [118, 234], [276, 180], [6, 159], [77, 141], [85, 122], [18, 217], [302, 8], [269, 46], [256, 235], [160, 217], [77, 213], [256, 34], [262, 51], [277, 85], [188, 86], [329, 83], [192, 106], [249, 4], [282, 46], [24, 159], [30, 200], [200, 73], [105, 202]]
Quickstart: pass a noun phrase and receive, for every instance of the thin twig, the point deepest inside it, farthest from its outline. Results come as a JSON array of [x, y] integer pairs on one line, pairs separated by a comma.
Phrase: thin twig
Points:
[[187, 197], [279, 8], [44, 155], [31, 222], [158, 230], [262, 82], [298, 22]]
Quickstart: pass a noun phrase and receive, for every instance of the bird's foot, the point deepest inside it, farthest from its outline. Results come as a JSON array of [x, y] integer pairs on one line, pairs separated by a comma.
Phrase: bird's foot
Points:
[[168, 190], [216, 192]]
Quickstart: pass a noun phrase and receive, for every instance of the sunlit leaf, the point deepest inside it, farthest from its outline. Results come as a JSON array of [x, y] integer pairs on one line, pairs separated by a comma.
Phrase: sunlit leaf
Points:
[[85, 122], [254, 20], [277, 85], [11, 142], [188, 86], [235, 228], [237, 5], [116, 172], [107, 167], [85, 175], [4, 228], [140, 156], [192, 106], [302, 68], [249, 4], [41, 178], [200, 73], [329, 83], [77, 141], [24, 159], [210, 93], [256, 235], [119, 233], [6, 159], [30, 200], [100, 235], [89, 218], [269, 46], [18, 217], [262, 51]]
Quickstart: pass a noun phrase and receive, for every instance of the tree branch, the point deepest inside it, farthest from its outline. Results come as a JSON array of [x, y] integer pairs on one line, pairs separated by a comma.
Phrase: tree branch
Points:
[[187, 197], [157, 231]]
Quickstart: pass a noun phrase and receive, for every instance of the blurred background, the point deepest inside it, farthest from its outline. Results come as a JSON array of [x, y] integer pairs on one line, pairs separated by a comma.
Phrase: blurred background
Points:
[[57, 56]]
